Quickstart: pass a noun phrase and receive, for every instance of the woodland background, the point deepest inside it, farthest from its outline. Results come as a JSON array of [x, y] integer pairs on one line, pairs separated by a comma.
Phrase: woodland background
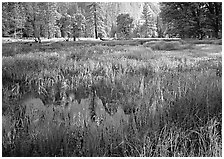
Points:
[[98, 19]]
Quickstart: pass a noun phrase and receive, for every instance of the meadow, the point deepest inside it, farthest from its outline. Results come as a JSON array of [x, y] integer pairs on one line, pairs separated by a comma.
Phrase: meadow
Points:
[[137, 99]]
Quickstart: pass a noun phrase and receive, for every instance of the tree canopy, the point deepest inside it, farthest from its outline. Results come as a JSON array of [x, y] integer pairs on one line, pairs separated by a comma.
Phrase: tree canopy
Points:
[[188, 19], [97, 19], [124, 25]]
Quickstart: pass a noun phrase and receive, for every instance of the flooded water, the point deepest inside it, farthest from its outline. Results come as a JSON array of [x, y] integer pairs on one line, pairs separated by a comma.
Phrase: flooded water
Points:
[[75, 114]]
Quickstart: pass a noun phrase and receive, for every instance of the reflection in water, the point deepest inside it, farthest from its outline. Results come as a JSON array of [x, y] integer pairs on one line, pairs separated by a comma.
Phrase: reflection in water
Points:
[[75, 114]]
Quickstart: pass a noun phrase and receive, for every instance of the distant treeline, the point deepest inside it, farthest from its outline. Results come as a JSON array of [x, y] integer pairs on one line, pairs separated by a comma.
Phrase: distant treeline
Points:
[[95, 19], [74, 19]]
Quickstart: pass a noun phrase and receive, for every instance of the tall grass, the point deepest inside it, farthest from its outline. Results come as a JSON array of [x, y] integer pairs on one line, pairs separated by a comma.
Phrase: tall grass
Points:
[[205, 41], [168, 46], [112, 101]]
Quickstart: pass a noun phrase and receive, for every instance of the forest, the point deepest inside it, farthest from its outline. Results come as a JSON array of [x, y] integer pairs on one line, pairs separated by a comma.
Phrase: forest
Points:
[[98, 19]]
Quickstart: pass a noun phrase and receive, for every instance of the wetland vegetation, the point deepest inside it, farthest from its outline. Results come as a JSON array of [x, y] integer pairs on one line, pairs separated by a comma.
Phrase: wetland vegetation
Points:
[[88, 99]]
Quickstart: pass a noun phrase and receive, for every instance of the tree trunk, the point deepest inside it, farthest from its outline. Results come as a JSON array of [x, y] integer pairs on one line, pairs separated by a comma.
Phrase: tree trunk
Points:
[[37, 33], [95, 23], [48, 30], [215, 10], [15, 33], [216, 27], [39, 40]]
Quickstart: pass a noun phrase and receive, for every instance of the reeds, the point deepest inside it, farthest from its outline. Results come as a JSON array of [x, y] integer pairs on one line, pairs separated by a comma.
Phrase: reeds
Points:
[[101, 101]]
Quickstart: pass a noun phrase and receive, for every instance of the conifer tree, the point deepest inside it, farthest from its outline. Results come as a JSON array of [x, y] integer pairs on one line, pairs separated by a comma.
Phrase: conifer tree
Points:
[[50, 20], [147, 27], [78, 24], [95, 18], [65, 22], [192, 20], [13, 18]]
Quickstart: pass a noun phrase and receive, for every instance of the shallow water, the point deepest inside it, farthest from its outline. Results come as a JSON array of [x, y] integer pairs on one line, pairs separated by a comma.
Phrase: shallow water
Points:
[[74, 113]]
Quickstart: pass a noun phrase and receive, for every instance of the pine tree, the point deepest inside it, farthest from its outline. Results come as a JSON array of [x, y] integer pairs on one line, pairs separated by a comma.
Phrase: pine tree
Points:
[[136, 31], [95, 18], [5, 19], [147, 16], [214, 17], [13, 18], [50, 19], [78, 24], [35, 17], [192, 20], [38, 20]]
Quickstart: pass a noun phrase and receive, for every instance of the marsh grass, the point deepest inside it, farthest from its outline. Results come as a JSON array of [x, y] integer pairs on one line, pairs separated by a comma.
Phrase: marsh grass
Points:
[[172, 105], [205, 41], [167, 45]]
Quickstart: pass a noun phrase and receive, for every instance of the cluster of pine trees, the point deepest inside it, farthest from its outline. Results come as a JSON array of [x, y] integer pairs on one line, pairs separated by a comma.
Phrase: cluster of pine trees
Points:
[[50, 19], [74, 19], [97, 19], [192, 20]]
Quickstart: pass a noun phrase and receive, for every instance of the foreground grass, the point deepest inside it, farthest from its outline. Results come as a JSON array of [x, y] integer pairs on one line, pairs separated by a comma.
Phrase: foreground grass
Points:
[[160, 103]]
